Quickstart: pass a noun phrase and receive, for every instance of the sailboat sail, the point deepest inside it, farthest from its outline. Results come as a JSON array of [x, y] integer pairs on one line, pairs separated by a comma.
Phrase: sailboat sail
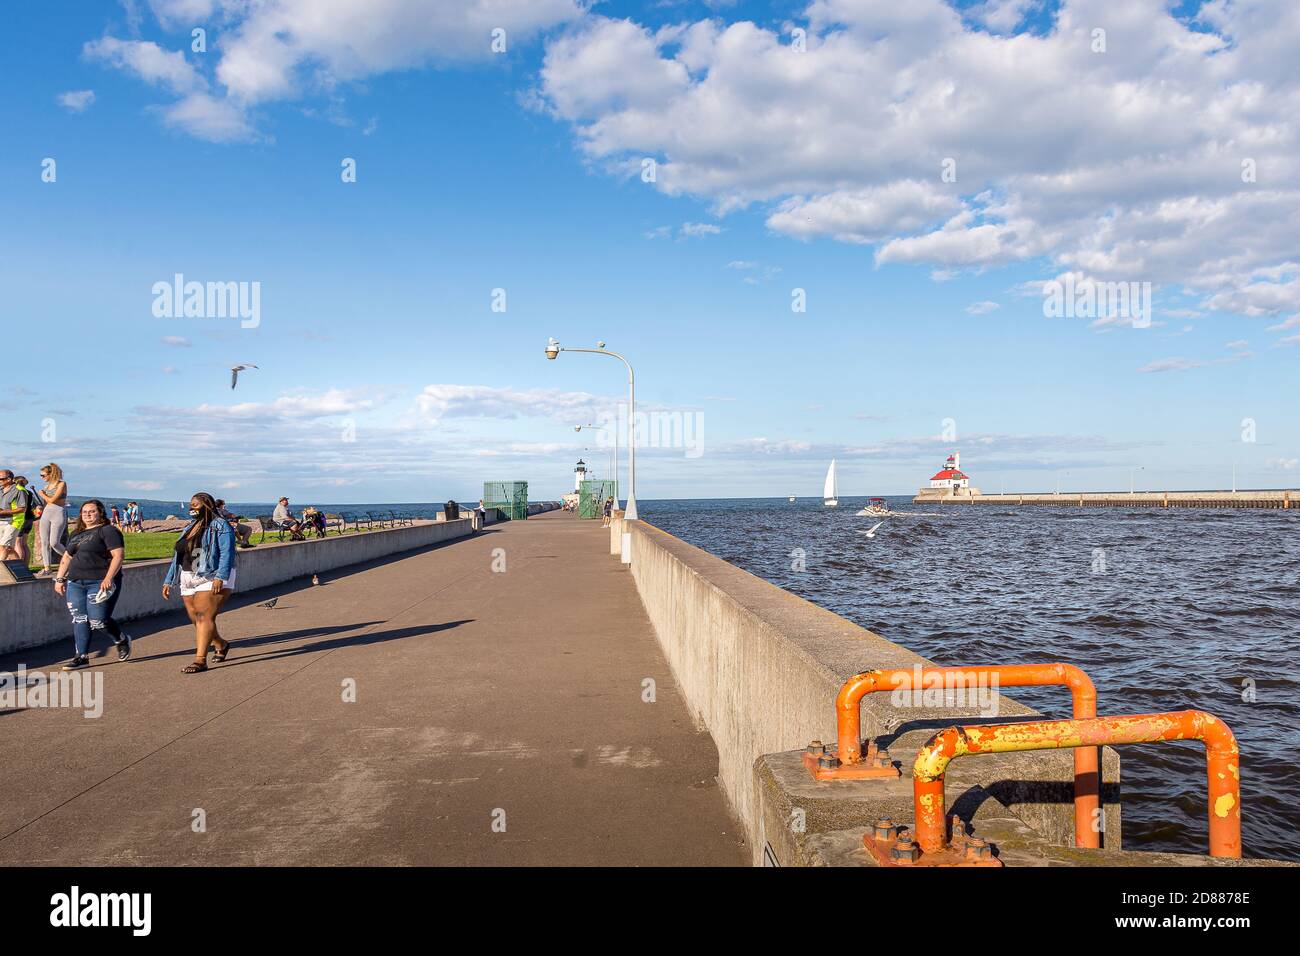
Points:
[[831, 493]]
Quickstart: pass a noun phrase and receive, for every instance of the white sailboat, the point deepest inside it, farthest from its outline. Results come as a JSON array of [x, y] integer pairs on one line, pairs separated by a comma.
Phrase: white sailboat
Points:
[[830, 494]]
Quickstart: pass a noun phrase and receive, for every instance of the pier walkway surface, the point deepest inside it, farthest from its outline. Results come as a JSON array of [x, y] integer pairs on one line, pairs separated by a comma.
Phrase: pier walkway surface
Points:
[[481, 697]]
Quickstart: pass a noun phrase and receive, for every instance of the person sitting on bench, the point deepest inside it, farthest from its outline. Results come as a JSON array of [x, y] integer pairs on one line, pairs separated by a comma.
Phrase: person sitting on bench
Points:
[[283, 518], [243, 532]]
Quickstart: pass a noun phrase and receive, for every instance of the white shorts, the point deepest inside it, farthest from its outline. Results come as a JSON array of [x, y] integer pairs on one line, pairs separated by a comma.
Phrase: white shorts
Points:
[[192, 583], [8, 535]]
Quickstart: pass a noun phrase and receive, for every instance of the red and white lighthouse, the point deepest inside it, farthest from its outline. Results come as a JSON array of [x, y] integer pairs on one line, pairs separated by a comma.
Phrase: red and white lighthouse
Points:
[[951, 477]]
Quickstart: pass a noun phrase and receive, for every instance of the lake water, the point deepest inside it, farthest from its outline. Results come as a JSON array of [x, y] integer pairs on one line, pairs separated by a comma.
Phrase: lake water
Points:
[[1164, 609]]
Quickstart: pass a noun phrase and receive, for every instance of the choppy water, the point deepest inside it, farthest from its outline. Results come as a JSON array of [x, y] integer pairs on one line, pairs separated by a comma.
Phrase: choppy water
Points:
[[1188, 610]]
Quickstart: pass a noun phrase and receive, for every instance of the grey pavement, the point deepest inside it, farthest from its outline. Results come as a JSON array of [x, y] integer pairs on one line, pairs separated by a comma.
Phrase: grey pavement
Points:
[[482, 698]]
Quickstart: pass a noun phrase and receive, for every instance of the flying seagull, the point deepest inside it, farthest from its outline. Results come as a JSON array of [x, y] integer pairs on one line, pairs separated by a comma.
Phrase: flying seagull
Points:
[[871, 532], [234, 373]]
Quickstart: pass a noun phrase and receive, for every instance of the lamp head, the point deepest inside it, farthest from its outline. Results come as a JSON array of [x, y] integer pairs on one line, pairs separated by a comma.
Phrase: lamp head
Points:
[[552, 348]]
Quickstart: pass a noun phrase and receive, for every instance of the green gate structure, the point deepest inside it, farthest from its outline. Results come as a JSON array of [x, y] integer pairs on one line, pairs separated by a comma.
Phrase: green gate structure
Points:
[[591, 496], [509, 497]]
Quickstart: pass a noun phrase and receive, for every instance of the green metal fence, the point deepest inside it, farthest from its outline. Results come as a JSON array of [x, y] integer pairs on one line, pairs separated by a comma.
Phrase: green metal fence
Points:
[[592, 495], [510, 497]]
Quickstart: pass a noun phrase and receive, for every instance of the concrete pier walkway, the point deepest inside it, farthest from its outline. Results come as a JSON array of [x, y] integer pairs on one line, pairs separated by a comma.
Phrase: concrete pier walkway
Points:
[[482, 697]]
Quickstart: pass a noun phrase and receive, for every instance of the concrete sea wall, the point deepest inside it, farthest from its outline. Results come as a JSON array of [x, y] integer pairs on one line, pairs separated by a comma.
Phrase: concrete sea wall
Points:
[[1277, 500], [759, 669], [31, 613]]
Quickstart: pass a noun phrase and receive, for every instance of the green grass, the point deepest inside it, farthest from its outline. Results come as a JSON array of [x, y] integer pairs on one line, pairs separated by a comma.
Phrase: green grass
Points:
[[151, 545]]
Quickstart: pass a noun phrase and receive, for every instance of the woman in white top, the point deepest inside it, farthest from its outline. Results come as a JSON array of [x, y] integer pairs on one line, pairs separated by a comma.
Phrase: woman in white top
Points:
[[54, 516]]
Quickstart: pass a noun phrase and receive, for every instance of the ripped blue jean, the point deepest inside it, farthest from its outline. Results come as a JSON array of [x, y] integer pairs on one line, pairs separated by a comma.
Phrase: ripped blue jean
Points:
[[89, 618]]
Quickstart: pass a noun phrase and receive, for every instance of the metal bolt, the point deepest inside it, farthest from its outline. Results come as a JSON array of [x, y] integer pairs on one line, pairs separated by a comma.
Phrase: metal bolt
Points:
[[884, 829], [828, 762], [977, 849], [816, 747], [905, 851]]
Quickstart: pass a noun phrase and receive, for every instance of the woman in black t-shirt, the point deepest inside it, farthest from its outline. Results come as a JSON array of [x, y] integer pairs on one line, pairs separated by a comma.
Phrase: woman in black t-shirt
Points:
[[90, 577]]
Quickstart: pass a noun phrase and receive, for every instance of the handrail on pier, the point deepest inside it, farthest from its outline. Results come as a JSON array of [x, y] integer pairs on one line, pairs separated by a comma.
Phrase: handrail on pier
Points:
[[1087, 776], [1220, 756]]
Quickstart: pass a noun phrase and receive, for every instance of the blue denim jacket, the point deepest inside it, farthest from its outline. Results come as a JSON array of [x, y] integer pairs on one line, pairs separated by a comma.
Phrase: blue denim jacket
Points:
[[216, 557]]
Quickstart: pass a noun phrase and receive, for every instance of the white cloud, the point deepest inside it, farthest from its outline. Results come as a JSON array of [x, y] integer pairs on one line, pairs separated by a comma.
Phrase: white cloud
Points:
[[182, 13], [179, 341], [143, 485], [1172, 365], [1124, 166], [148, 61], [438, 402], [982, 308], [1002, 16], [282, 47], [76, 101], [698, 229], [209, 117], [294, 407], [1180, 364], [865, 215]]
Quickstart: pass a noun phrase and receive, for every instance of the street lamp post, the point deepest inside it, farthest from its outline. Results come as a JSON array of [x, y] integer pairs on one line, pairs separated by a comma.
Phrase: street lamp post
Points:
[[553, 350], [614, 470]]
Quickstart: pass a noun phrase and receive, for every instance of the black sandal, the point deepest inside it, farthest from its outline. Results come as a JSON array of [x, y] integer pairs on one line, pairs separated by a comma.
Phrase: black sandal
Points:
[[196, 667], [219, 656]]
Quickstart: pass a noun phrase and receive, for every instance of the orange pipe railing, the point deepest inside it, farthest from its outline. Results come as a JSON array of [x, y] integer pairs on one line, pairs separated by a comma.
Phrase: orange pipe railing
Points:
[[1220, 757], [1087, 777]]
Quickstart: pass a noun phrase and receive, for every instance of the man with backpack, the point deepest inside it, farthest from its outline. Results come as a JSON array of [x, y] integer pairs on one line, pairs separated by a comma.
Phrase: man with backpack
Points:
[[16, 509]]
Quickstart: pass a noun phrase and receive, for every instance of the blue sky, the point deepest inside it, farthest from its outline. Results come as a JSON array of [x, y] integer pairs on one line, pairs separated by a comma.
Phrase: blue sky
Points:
[[521, 171]]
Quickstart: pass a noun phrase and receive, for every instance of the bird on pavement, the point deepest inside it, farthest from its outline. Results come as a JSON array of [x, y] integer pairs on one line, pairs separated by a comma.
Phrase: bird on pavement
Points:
[[270, 603], [234, 373]]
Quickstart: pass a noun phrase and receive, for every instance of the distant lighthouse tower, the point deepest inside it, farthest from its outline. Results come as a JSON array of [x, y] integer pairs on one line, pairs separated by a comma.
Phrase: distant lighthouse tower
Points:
[[579, 474]]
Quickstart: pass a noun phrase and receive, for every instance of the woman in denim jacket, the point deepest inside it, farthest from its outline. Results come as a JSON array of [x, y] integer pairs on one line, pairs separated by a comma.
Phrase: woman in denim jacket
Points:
[[204, 566]]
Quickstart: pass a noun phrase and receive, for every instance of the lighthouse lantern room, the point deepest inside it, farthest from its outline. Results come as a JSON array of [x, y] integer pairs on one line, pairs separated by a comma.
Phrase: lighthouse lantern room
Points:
[[579, 474]]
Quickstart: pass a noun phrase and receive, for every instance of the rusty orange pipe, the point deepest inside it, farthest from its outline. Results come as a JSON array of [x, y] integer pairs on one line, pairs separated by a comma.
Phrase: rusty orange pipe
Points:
[[1220, 758], [1087, 776]]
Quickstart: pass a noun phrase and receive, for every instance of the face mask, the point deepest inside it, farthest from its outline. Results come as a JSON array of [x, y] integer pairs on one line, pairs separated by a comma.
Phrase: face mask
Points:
[[194, 512]]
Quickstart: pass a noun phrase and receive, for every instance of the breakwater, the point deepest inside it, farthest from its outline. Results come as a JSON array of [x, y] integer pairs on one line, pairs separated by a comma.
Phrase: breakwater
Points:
[[1278, 500]]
